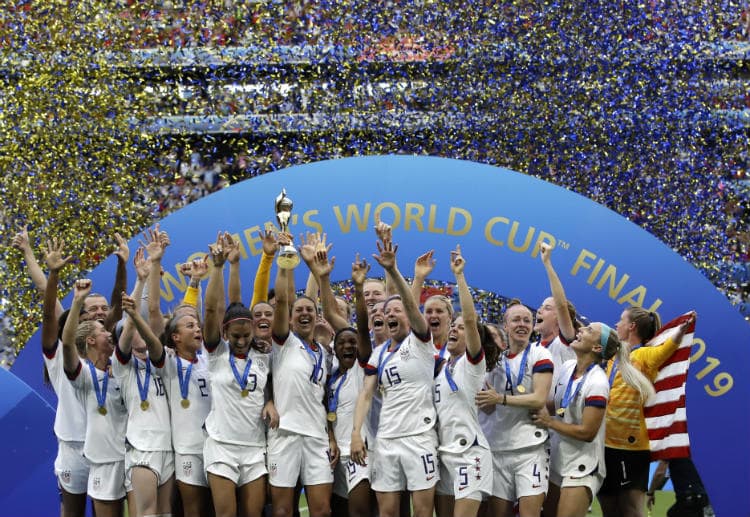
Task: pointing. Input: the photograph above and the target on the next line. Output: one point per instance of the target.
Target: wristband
(505, 398)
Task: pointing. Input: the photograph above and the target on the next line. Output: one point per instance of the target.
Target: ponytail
(647, 323)
(630, 374)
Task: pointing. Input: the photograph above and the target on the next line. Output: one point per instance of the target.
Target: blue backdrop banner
(499, 217)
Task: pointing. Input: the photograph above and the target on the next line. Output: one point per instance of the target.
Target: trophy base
(287, 260)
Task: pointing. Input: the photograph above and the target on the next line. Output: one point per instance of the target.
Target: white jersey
(571, 457)
(561, 353)
(235, 418)
(345, 390)
(149, 429)
(458, 422)
(406, 380)
(509, 428)
(105, 434)
(297, 395)
(70, 416)
(188, 436)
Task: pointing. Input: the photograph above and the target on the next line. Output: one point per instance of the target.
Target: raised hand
(424, 265)
(21, 240)
(387, 257)
(360, 268)
(270, 244)
(231, 248)
(81, 289)
(152, 243)
(216, 251)
(54, 258)
(383, 230)
(122, 251)
(457, 261)
(141, 263)
(309, 246)
(320, 265)
(545, 251)
(128, 303)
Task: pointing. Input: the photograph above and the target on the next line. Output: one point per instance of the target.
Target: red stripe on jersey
(49, 353)
(545, 365)
(122, 356)
(596, 401)
(477, 359)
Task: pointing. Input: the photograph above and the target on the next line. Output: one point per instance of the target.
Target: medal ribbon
(317, 360)
(449, 376)
(242, 381)
(142, 388)
(521, 370)
(99, 391)
(333, 400)
(566, 397)
(184, 380)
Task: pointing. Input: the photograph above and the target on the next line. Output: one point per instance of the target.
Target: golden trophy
(287, 258)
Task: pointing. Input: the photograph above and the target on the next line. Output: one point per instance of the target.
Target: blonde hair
(85, 330)
(630, 374)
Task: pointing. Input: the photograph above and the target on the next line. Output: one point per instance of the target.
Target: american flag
(666, 415)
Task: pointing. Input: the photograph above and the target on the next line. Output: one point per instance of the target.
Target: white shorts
(292, 456)
(240, 464)
(107, 481)
(189, 469)
(160, 463)
(593, 481)
(406, 463)
(71, 467)
(520, 473)
(466, 475)
(348, 475)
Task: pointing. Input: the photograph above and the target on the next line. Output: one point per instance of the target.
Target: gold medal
(561, 411)
(331, 416)
(245, 393)
(185, 403)
(102, 410)
(144, 405)
(520, 389)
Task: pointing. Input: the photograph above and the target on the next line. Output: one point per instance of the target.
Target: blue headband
(605, 335)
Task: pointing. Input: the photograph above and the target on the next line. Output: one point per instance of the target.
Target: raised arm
(215, 294)
(567, 329)
(387, 259)
(384, 232)
(71, 361)
(321, 269)
(22, 244)
(468, 311)
(121, 283)
(280, 325)
(154, 246)
(423, 266)
(155, 348)
(55, 262)
(263, 274)
(359, 275)
(232, 251)
(196, 270)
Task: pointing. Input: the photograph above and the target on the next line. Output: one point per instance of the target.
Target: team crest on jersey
(405, 352)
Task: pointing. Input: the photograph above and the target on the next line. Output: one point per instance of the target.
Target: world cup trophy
(288, 258)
